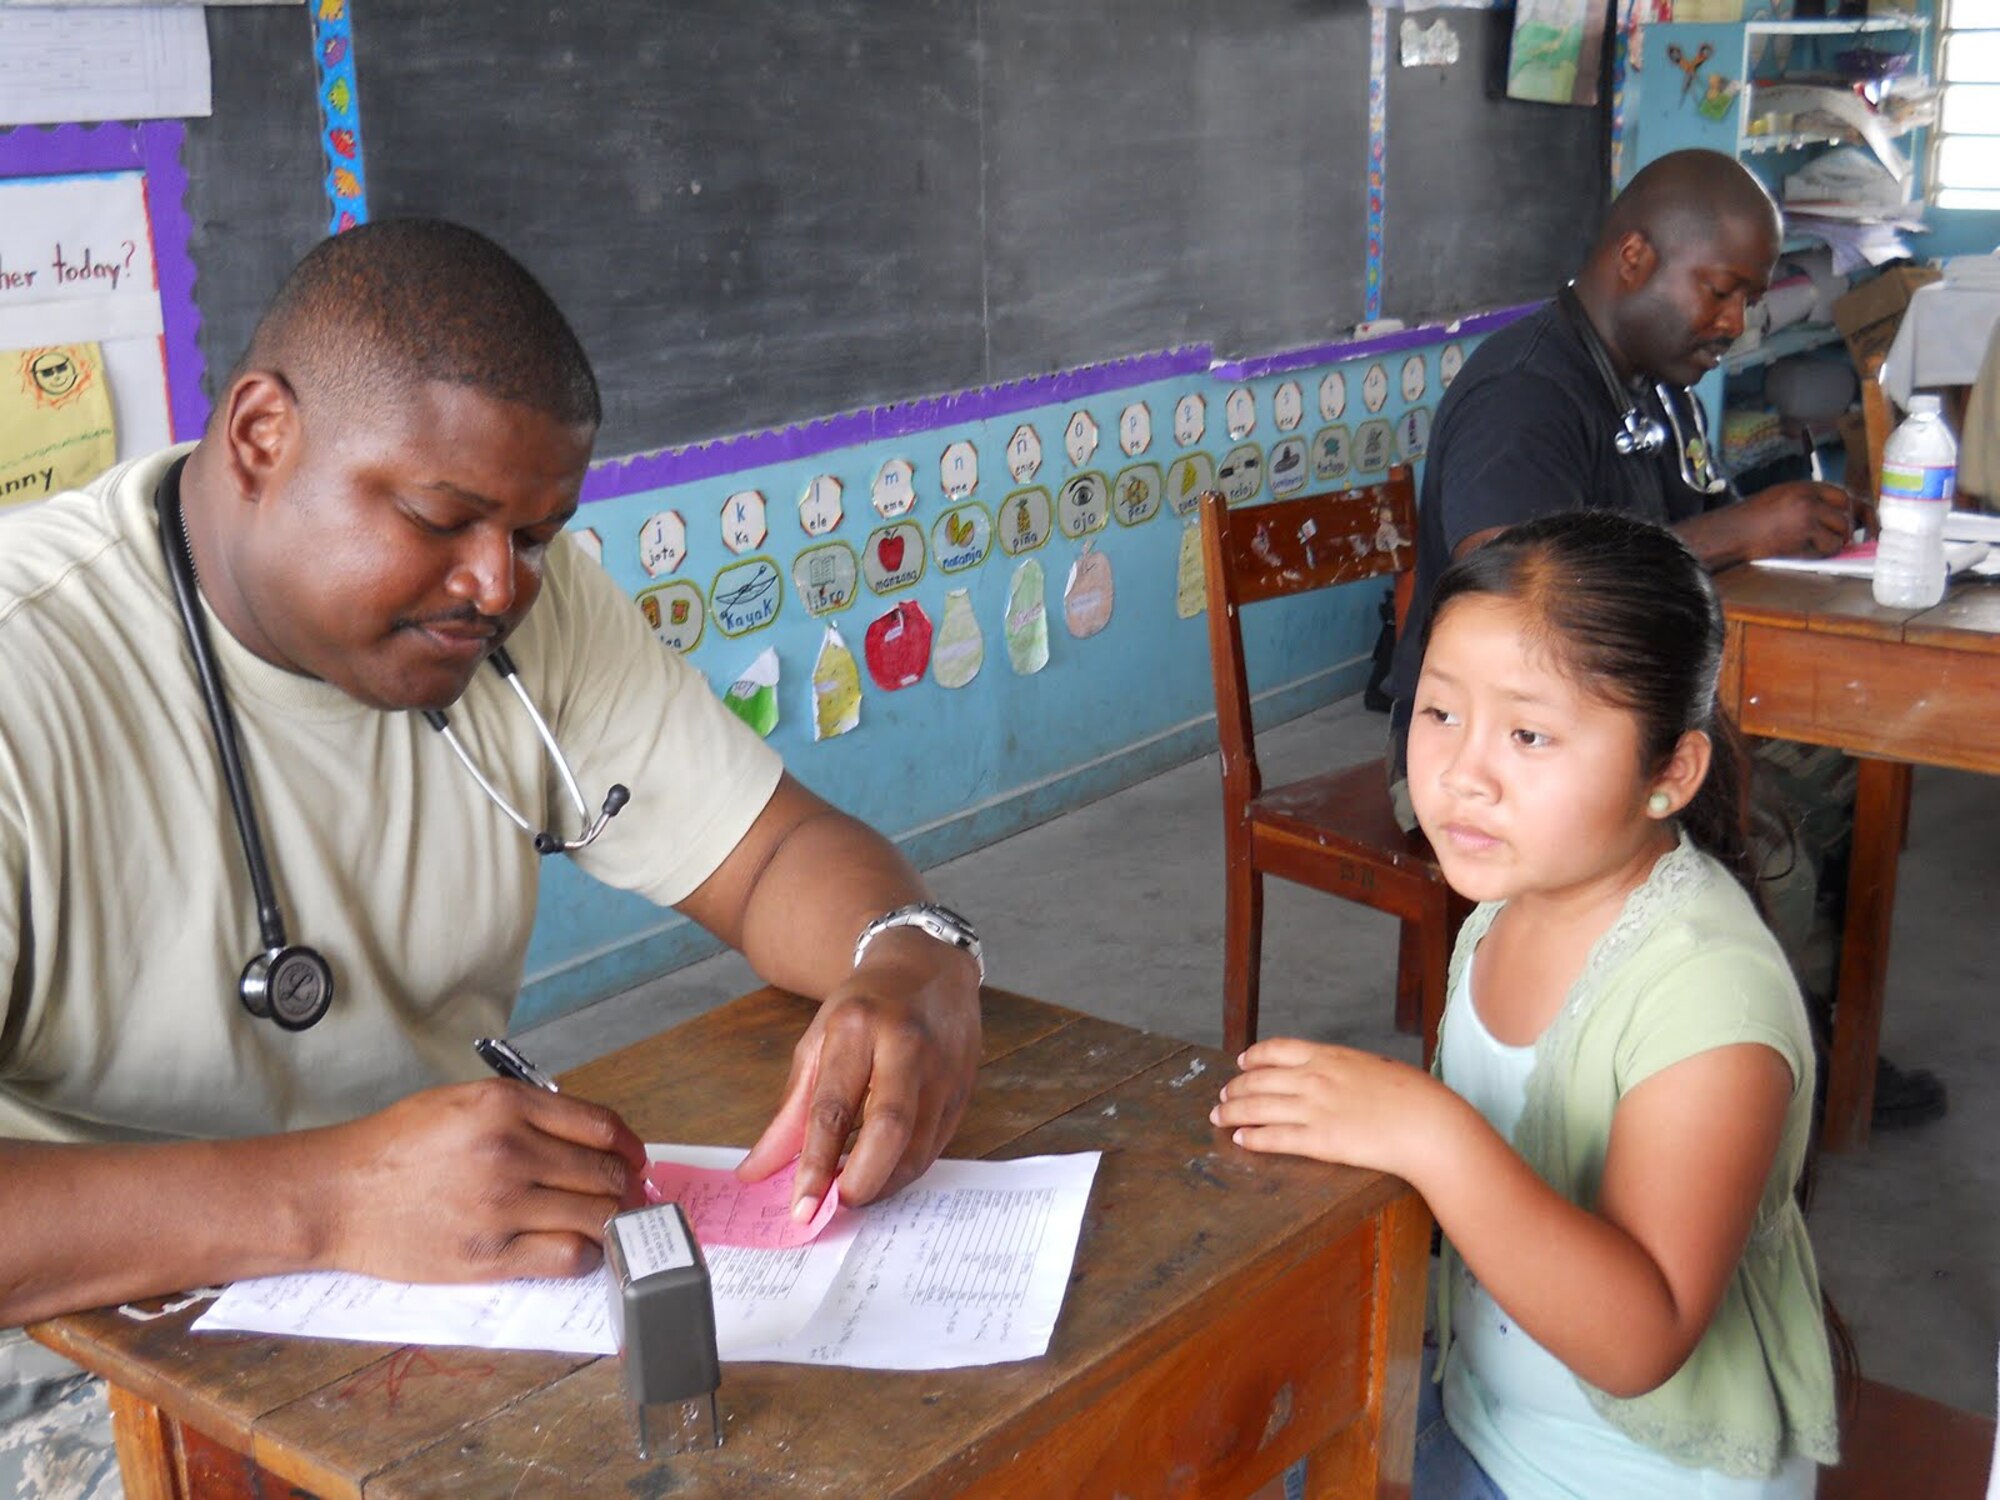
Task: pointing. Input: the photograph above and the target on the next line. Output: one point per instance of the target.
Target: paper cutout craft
(1375, 388)
(898, 647)
(1332, 395)
(1187, 477)
(961, 537)
(1084, 504)
(1288, 406)
(1135, 494)
(1288, 466)
(55, 421)
(895, 488)
(1027, 620)
(1190, 579)
(745, 596)
(1414, 378)
(1242, 473)
(961, 649)
(1135, 429)
(674, 613)
(663, 543)
(820, 509)
(826, 577)
(1087, 598)
(1026, 518)
(590, 544)
(893, 557)
(836, 688)
(1240, 412)
(1332, 453)
(753, 697)
(1080, 438)
(958, 470)
(1451, 359)
(1190, 420)
(1374, 444)
(743, 523)
(1024, 454)
(724, 1210)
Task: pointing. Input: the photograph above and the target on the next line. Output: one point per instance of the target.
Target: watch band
(935, 921)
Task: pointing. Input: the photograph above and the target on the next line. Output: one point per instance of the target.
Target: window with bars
(1966, 165)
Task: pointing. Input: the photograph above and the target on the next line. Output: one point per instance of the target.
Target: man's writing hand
(1799, 517)
(894, 1049)
(478, 1182)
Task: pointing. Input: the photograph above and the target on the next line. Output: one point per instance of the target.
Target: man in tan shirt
(376, 505)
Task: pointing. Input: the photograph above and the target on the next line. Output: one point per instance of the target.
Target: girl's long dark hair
(1629, 612)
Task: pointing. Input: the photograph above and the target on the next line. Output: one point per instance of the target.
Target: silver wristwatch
(940, 922)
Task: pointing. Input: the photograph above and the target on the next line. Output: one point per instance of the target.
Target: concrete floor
(1116, 909)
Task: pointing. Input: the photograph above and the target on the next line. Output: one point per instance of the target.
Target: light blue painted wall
(944, 771)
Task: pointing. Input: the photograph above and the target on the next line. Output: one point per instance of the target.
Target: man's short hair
(1685, 198)
(402, 301)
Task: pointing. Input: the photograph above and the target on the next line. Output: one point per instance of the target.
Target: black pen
(504, 1058)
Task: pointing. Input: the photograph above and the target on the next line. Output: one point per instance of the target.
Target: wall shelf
(1795, 339)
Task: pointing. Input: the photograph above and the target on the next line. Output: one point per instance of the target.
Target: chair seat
(1900, 1443)
(1350, 809)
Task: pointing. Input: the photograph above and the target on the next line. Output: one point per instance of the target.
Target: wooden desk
(1814, 658)
(1227, 1314)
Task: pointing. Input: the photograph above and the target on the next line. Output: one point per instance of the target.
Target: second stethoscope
(1639, 433)
(291, 983)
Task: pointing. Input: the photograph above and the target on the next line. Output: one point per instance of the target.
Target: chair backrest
(1875, 420)
(1286, 547)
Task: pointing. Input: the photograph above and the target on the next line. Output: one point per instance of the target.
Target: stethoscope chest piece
(292, 985)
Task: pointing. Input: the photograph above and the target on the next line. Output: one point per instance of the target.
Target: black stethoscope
(1639, 432)
(291, 983)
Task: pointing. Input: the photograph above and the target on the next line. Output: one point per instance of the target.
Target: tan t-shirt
(126, 911)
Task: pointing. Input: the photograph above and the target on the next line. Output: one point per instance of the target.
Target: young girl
(1627, 1304)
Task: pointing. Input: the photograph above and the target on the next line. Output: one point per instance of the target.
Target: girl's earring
(1659, 804)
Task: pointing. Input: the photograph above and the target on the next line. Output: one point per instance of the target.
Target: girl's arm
(1620, 1296)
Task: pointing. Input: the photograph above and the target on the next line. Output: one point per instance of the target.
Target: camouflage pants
(55, 1427)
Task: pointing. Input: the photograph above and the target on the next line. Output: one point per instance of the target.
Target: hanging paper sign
(1413, 434)
(958, 470)
(753, 697)
(961, 650)
(1083, 505)
(1088, 596)
(745, 596)
(1027, 620)
(836, 688)
(743, 528)
(1024, 454)
(1190, 420)
(590, 544)
(1026, 519)
(1451, 359)
(826, 578)
(1239, 410)
(898, 647)
(1135, 494)
(1374, 443)
(1241, 475)
(1187, 477)
(76, 260)
(1135, 429)
(1375, 387)
(1190, 587)
(894, 557)
(1332, 454)
(1332, 396)
(961, 537)
(1080, 438)
(1414, 378)
(56, 430)
(819, 506)
(895, 489)
(1288, 466)
(1288, 406)
(663, 544)
(674, 613)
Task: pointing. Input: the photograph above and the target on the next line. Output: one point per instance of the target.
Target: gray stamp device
(663, 1311)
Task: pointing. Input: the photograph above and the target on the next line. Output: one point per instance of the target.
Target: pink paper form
(723, 1210)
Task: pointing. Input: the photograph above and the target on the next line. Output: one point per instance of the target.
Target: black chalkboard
(761, 211)
(1490, 200)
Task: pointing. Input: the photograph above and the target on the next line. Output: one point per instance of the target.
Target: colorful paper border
(346, 178)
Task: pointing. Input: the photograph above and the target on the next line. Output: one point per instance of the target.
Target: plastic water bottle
(1919, 473)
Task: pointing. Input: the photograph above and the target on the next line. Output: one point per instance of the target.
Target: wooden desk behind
(1816, 659)
(1227, 1314)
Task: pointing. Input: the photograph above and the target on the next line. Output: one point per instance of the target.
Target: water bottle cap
(1924, 406)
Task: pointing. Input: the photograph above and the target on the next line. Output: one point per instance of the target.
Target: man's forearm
(1718, 538)
(84, 1226)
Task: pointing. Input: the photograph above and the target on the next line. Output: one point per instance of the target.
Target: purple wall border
(1384, 343)
(154, 148)
(672, 466)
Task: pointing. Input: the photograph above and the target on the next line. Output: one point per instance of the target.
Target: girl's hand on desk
(476, 1182)
(1334, 1104)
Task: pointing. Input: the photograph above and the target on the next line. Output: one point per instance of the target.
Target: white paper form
(966, 1266)
(142, 62)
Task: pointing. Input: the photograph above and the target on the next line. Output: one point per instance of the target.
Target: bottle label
(1918, 481)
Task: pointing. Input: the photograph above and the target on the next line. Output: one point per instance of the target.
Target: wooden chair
(1334, 832)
